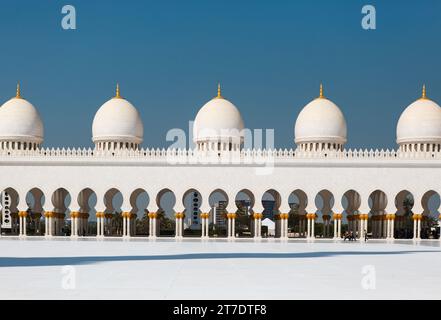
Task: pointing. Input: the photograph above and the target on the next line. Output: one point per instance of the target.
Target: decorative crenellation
(194, 156)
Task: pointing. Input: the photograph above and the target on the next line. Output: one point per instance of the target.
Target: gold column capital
(100, 215)
(179, 215)
(23, 214)
(152, 215)
(311, 216)
(257, 216)
(231, 215)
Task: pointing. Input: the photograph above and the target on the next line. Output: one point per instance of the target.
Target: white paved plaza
(217, 269)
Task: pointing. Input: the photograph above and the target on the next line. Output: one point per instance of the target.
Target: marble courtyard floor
(138, 268)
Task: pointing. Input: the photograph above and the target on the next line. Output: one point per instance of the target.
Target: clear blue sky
(270, 57)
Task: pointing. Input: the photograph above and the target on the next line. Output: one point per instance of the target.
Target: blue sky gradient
(270, 57)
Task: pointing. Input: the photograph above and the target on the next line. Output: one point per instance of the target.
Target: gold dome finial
(424, 96)
(321, 91)
(18, 93)
(118, 95)
(219, 91)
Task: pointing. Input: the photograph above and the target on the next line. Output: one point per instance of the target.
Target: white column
(335, 228)
(257, 219)
(155, 224)
(202, 227)
(228, 226)
(46, 225)
(233, 227)
(150, 226)
(416, 226)
(419, 227)
(207, 225)
(124, 226)
(151, 231)
(98, 226)
(128, 227)
(313, 228)
(339, 227)
(76, 226)
(178, 228)
(308, 228)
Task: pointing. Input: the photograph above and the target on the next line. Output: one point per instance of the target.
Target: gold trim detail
(126, 214)
(100, 215)
(311, 216)
(18, 93)
(321, 96)
(23, 214)
(118, 94)
(219, 92)
(424, 95)
(152, 215)
(179, 216)
(257, 216)
(49, 214)
(231, 215)
(75, 214)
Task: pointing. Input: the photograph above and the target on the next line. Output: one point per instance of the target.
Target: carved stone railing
(194, 156)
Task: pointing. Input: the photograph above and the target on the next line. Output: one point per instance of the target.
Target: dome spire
(424, 96)
(18, 93)
(118, 95)
(219, 91)
(321, 92)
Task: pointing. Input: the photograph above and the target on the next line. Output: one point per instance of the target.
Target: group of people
(351, 236)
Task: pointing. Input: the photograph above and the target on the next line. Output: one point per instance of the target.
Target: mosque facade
(319, 188)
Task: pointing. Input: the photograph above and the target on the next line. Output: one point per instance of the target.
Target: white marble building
(361, 190)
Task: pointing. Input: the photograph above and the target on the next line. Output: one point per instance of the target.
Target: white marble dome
(321, 121)
(117, 121)
(218, 121)
(21, 121)
(420, 123)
